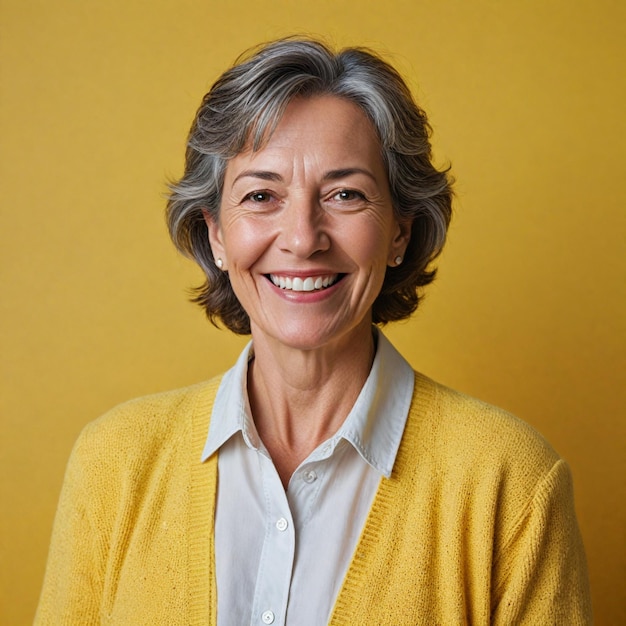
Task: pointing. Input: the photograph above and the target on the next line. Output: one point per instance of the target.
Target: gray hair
(242, 109)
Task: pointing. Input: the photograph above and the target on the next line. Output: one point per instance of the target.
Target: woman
(320, 480)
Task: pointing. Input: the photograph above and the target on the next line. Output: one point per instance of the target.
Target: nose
(303, 228)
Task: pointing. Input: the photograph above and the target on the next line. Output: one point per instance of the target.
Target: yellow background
(527, 101)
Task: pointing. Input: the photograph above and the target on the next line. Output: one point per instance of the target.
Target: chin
(315, 334)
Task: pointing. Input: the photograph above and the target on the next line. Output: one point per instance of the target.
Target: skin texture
(314, 202)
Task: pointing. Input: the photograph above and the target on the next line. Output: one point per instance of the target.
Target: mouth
(307, 283)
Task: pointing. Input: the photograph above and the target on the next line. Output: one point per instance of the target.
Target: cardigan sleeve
(73, 581)
(540, 576)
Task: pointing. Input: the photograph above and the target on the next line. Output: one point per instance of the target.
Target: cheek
(371, 246)
(245, 243)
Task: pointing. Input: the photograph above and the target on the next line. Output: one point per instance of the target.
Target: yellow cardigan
(475, 526)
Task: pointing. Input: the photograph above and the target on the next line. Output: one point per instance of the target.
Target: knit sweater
(475, 525)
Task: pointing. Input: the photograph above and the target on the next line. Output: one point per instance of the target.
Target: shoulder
(483, 459)
(149, 424)
(462, 423)
(472, 443)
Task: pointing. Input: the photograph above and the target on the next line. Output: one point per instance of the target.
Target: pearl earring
(219, 263)
(398, 260)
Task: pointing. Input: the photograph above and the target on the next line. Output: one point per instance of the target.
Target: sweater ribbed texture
(475, 525)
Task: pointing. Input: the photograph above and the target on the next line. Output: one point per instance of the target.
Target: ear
(215, 238)
(400, 241)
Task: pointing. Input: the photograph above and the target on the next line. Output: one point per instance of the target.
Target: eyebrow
(261, 174)
(348, 171)
(331, 175)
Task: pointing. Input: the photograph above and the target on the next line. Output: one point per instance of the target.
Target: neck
(300, 398)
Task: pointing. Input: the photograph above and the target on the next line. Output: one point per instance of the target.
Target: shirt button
(267, 617)
(281, 524)
(309, 477)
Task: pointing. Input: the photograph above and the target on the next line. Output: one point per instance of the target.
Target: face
(307, 229)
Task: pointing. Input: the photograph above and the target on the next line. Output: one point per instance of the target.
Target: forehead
(324, 112)
(325, 130)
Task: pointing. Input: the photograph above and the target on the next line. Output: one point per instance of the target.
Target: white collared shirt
(281, 557)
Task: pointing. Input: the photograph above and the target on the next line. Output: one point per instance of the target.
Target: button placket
(277, 555)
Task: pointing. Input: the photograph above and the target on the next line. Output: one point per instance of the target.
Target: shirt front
(281, 556)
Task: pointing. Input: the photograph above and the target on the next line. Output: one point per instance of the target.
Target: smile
(310, 283)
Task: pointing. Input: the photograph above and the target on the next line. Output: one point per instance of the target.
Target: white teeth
(307, 284)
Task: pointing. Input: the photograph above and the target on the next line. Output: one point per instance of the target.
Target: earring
(398, 260)
(219, 263)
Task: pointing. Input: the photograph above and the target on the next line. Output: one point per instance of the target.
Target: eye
(258, 197)
(348, 195)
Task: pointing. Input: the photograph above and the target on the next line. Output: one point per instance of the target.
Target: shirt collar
(373, 427)
(231, 409)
